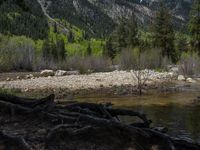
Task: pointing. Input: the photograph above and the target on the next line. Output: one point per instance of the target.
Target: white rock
(174, 69)
(75, 72)
(18, 77)
(61, 73)
(46, 73)
(181, 78)
(29, 76)
(190, 80)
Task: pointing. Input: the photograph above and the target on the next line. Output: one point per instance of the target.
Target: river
(178, 111)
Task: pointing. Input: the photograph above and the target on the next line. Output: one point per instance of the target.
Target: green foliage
(194, 26)
(133, 33)
(126, 33)
(189, 64)
(20, 17)
(98, 25)
(109, 50)
(54, 49)
(163, 33)
(17, 53)
(121, 34)
(89, 50)
(182, 42)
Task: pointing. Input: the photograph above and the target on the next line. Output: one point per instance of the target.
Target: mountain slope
(97, 18)
(23, 17)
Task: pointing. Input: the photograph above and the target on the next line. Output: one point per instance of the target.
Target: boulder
(61, 73)
(190, 80)
(75, 72)
(46, 73)
(29, 76)
(181, 78)
(8, 79)
(174, 69)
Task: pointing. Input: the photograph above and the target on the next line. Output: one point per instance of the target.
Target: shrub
(149, 59)
(17, 53)
(189, 64)
(87, 64)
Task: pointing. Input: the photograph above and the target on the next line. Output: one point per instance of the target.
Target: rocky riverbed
(127, 80)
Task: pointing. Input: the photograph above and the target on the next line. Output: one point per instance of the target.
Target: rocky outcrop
(95, 13)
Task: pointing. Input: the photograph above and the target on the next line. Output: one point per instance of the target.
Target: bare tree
(141, 73)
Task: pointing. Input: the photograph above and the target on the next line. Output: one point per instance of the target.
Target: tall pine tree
(163, 33)
(121, 34)
(133, 34)
(109, 49)
(194, 26)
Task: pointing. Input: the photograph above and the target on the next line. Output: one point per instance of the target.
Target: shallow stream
(178, 111)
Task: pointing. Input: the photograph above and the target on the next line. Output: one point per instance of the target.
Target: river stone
(61, 73)
(181, 78)
(29, 76)
(75, 72)
(46, 73)
(190, 80)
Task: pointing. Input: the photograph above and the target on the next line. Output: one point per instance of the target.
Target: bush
(189, 64)
(149, 59)
(87, 64)
(17, 53)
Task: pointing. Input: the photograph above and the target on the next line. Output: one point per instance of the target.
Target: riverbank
(116, 82)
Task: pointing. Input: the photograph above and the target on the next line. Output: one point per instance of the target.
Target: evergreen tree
(53, 52)
(46, 50)
(55, 28)
(121, 34)
(163, 34)
(61, 49)
(109, 50)
(133, 34)
(70, 37)
(182, 44)
(194, 26)
(89, 50)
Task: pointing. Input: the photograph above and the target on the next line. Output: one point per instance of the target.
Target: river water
(178, 111)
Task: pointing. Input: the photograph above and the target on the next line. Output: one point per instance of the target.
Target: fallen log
(8, 141)
(83, 123)
(28, 102)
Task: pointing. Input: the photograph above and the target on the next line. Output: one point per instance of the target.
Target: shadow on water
(177, 111)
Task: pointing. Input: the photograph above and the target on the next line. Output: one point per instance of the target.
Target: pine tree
(182, 44)
(89, 50)
(61, 49)
(133, 34)
(55, 28)
(121, 34)
(70, 37)
(109, 50)
(46, 49)
(163, 34)
(194, 26)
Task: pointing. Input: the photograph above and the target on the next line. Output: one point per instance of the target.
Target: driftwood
(78, 126)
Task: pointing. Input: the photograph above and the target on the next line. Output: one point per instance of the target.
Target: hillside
(96, 17)
(23, 17)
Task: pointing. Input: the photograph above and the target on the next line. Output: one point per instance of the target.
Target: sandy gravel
(76, 82)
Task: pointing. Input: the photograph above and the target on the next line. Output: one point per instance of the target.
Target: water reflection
(177, 111)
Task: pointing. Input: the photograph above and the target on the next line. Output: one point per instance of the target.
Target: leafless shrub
(151, 59)
(189, 64)
(127, 59)
(87, 64)
(17, 54)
